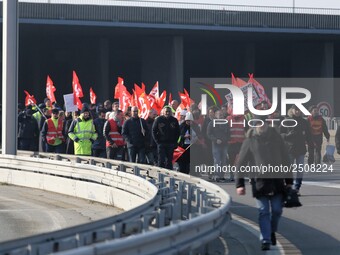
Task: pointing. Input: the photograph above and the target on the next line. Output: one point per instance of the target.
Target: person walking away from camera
(318, 129)
(83, 133)
(296, 138)
(263, 146)
(237, 136)
(165, 132)
(98, 146)
(28, 131)
(113, 135)
(52, 133)
(135, 134)
(219, 135)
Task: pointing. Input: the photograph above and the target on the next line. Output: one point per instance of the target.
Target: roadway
(25, 211)
(312, 229)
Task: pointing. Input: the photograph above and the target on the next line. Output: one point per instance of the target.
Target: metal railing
(218, 16)
(186, 213)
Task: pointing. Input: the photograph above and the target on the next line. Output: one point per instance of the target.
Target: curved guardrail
(175, 213)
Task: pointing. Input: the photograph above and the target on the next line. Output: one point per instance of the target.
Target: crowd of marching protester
(190, 138)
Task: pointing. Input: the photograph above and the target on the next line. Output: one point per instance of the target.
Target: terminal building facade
(172, 44)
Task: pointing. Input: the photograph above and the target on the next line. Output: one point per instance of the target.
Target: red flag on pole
(259, 88)
(77, 91)
(178, 152)
(119, 88)
(122, 94)
(170, 98)
(237, 81)
(50, 89)
(29, 99)
(93, 96)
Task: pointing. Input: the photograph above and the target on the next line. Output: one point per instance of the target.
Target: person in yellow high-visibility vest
(82, 131)
(52, 133)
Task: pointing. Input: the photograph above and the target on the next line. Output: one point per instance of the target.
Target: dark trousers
(314, 150)
(26, 144)
(165, 155)
(100, 153)
(115, 153)
(55, 148)
(134, 151)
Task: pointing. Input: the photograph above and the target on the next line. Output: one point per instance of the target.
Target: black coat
(221, 132)
(132, 132)
(264, 150)
(296, 138)
(165, 130)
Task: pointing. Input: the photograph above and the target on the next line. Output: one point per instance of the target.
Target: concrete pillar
(9, 76)
(103, 89)
(162, 60)
(249, 61)
(327, 73)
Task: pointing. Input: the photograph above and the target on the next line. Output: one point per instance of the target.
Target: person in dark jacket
(265, 147)
(189, 135)
(219, 135)
(165, 132)
(151, 146)
(28, 131)
(135, 132)
(98, 146)
(296, 138)
(318, 129)
(337, 140)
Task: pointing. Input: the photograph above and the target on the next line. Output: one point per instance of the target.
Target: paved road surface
(25, 211)
(312, 229)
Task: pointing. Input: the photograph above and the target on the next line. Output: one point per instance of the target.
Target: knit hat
(84, 109)
(189, 116)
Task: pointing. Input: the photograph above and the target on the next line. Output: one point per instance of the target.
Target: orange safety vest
(237, 129)
(316, 125)
(53, 133)
(114, 134)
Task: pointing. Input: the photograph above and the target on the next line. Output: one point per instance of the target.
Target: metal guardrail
(227, 16)
(186, 213)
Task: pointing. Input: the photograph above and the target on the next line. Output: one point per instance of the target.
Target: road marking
(323, 184)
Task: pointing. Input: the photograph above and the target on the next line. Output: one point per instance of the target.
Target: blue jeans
(270, 211)
(299, 175)
(220, 154)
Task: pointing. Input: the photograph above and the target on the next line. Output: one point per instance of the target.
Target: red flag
(93, 96)
(77, 91)
(50, 89)
(155, 91)
(237, 81)
(158, 106)
(153, 96)
(119, 88)
(122, 94)
(29, 99)
(170, 98)
(259, 88)
(142, 102)
(185, 100)
(178, 152)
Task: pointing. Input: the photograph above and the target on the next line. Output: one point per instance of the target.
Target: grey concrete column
(103, 89)
(162, 60)
(327, 73)
(250, 58)
(9, 76)
(176, 66)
